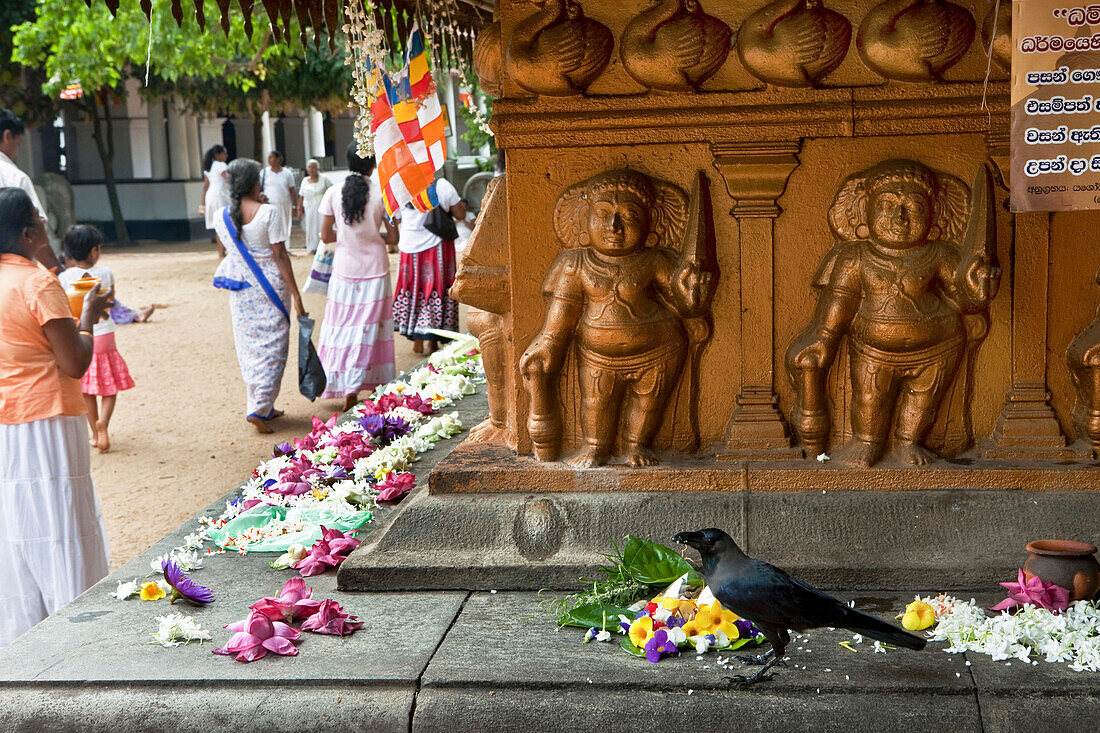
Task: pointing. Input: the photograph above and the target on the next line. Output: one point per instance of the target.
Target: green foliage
(594, 615)
(633, 572)
(654, 564)
(72, 42)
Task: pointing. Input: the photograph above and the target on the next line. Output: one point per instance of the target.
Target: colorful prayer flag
(429, 112)
(399, 174)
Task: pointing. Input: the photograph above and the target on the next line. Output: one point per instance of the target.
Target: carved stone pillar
(756, 175)
(1027, 426)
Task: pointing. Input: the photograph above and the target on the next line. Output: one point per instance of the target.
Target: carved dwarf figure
(620, 292)
(1083, 359)
(901, 287)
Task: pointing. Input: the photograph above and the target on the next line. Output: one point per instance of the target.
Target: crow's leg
(761, 674)
(778, 646)
(762, 659)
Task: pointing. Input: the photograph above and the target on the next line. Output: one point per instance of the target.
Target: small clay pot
(1067, 563)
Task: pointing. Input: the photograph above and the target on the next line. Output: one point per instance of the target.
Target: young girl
(107, 375)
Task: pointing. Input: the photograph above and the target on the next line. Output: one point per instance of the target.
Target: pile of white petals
(1071, 637)
(175, 629)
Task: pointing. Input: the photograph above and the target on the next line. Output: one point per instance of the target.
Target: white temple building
(159, 148)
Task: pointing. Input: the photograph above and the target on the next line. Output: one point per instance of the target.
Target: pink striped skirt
(356, 341)
(107, 374)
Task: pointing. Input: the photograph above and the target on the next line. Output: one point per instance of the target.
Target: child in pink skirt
(107, 375)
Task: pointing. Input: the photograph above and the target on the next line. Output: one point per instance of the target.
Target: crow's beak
(694, 539)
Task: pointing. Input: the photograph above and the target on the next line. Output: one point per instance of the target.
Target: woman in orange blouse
(52, 541)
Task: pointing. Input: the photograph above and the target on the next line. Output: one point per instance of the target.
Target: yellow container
(76, 293)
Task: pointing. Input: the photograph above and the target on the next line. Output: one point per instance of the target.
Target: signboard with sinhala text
(1055, 105)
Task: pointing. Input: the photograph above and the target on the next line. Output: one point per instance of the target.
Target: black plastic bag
(311, 375)
(440, 223)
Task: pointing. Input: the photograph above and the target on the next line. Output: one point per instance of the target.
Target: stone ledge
(481, 468)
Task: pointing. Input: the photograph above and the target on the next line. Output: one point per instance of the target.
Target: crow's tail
(861, 623)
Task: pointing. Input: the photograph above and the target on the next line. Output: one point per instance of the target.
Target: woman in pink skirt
(107, 375)
(356, 343)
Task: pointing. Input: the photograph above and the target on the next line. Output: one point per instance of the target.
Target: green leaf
(594, 615)
(654, 564)
(628, 646)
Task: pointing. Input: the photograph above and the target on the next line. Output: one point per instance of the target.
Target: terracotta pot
(1067, 563)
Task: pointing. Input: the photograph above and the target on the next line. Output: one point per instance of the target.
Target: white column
(137, 112)
(210, 133)
(316, 134)
(268, 132)
(179, 153)
(451, 100)
(158, 142)
(195, 160)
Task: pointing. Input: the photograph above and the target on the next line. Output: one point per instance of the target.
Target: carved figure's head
(619, 203)
(900, 205)
(619, 212)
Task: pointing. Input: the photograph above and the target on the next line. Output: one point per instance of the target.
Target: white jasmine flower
(175, 629)
(126, 589)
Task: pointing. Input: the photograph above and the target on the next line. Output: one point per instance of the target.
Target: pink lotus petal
(241, 641)
(258, 625)
(279, 645)
(1005, 604)
(284, 631)
(252, 654)
(237, 625)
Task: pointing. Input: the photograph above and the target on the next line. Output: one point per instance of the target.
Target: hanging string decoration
(366, 51)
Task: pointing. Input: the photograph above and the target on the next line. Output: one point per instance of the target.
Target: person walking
(257, 273)
(277, 183)
(11, 137)
(52, 536)
(108, 374)
(356, 342)
(214, 188)
(426, 272)
(310, 194)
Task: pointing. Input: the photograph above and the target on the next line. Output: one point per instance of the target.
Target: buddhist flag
(405, 112)
(399, 174)
(429, 113)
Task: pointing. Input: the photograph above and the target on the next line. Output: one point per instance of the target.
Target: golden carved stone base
(480, 468)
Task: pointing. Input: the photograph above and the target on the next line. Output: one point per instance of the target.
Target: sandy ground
(179, 439)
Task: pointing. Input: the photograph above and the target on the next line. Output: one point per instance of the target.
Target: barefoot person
(256, 271)
(51, 532)
(422, 300)
(310, 193)
(356, 343)
(108, 374)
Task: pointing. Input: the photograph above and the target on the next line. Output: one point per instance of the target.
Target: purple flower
(282, 449)
(745, 629)
(659, 645)
(394, 427)
(183, 587)
(338, 473)
(1036, 591)
(625, 627)
(673, 622)
(372, 424)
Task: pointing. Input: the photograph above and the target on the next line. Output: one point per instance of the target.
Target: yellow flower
(151, 592)
(710, 618)
(676, 606)
(641, 631)
(918, 615)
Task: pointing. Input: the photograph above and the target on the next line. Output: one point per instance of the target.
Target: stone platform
(466, 660)
(495, 520)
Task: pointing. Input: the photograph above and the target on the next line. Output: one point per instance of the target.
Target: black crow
(775, 602)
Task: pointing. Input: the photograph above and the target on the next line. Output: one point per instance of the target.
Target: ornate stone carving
(793, 43)
(558, 51)
(910, 283)
(914, 40)
(489, 58)
(674, 46)
(997, 28)
(633, 306)
(482, 283)
(1083, 358)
